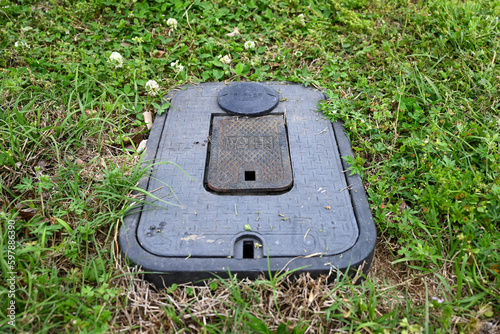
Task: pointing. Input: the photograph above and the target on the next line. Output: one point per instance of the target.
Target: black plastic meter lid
(248, 99)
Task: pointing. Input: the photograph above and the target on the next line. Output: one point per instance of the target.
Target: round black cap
(248, 99)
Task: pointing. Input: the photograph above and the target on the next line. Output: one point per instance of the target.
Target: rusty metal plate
(249, 155)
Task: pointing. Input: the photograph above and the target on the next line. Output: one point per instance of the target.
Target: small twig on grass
(187, 16)
(403, 283)
(117, 251)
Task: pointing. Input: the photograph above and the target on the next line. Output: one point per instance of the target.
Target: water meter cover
(247, 195)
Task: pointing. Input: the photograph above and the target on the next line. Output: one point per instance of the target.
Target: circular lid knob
(248, 99)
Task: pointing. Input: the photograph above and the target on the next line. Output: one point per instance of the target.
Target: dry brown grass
(321, 306)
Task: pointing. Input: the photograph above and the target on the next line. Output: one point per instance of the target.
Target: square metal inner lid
(249, 154)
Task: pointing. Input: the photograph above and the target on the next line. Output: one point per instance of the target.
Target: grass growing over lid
(416, 84)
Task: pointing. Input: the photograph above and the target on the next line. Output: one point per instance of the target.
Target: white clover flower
(298, 54)
(225, 60)
(249, 45)
(116, 59)
(176, 66)
(172, 23)
(21, 44)
(301, 19)
(152, 87)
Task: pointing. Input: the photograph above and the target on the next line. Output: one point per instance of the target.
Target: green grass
(416, 84)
